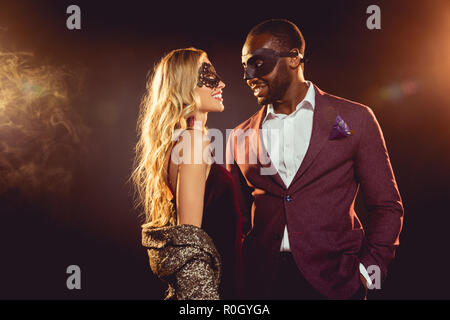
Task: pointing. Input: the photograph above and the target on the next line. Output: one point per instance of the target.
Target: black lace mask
(207, 76)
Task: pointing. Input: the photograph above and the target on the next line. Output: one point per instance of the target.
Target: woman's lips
(218, 96)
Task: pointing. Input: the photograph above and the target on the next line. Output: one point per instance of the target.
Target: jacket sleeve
(381, 196)
(243, 191)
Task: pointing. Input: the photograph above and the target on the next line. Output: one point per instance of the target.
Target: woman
(192, 226)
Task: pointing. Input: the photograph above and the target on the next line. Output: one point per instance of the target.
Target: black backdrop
(401, 71)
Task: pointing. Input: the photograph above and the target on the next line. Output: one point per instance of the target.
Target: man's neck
(294, 95)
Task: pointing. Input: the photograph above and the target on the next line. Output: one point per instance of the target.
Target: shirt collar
(310, 98)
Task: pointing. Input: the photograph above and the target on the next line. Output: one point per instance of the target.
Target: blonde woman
(192, 220)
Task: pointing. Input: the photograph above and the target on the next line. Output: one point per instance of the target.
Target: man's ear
(295, 60)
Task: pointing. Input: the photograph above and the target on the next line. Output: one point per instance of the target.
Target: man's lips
(259, 90)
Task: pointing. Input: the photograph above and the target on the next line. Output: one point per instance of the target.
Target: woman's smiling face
(210, 97)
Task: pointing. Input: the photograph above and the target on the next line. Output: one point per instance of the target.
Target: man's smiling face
(270, 87)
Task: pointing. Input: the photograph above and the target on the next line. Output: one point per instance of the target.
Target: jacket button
(277, 236)
(288, 198)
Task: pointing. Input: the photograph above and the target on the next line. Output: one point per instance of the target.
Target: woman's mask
(207, 76)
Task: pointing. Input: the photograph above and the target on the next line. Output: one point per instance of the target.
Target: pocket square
(340, 129)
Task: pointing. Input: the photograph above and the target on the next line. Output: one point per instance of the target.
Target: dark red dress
(221, 220)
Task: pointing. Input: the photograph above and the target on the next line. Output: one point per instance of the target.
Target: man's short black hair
(287, 35)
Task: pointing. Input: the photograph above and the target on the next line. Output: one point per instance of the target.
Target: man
(303, 239)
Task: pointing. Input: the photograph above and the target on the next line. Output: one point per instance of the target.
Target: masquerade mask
(262, 61)
(207, 76)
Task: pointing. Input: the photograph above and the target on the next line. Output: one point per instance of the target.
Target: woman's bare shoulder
(193, 146)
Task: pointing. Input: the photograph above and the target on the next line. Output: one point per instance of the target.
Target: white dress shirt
(286, 138)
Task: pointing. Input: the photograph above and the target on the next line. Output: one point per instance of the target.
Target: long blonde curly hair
(167, 105)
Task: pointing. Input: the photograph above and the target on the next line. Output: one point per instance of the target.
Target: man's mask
(207, 76)
(262, 61)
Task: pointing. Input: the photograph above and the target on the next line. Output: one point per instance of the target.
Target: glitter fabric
(186, 258)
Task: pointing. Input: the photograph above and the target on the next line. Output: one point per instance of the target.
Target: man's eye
(259, 63)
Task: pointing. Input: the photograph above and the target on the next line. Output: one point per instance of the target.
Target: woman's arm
(191, 179)
(185, 256)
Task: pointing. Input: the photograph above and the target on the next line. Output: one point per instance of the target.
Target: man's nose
(248, 74)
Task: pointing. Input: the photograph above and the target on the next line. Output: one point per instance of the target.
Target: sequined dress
(184, 256)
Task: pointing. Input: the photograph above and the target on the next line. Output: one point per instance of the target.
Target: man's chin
(262, 101)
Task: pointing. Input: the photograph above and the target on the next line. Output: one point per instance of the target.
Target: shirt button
(288, 198)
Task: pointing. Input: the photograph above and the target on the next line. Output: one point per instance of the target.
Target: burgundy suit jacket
(326, 237)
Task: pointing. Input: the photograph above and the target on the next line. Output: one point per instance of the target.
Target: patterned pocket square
(340, 129)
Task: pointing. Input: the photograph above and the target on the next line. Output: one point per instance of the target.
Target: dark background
(95, 225)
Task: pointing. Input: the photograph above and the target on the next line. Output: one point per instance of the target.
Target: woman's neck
(200, 120)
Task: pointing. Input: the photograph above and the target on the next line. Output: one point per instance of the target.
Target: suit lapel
(323, 120)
